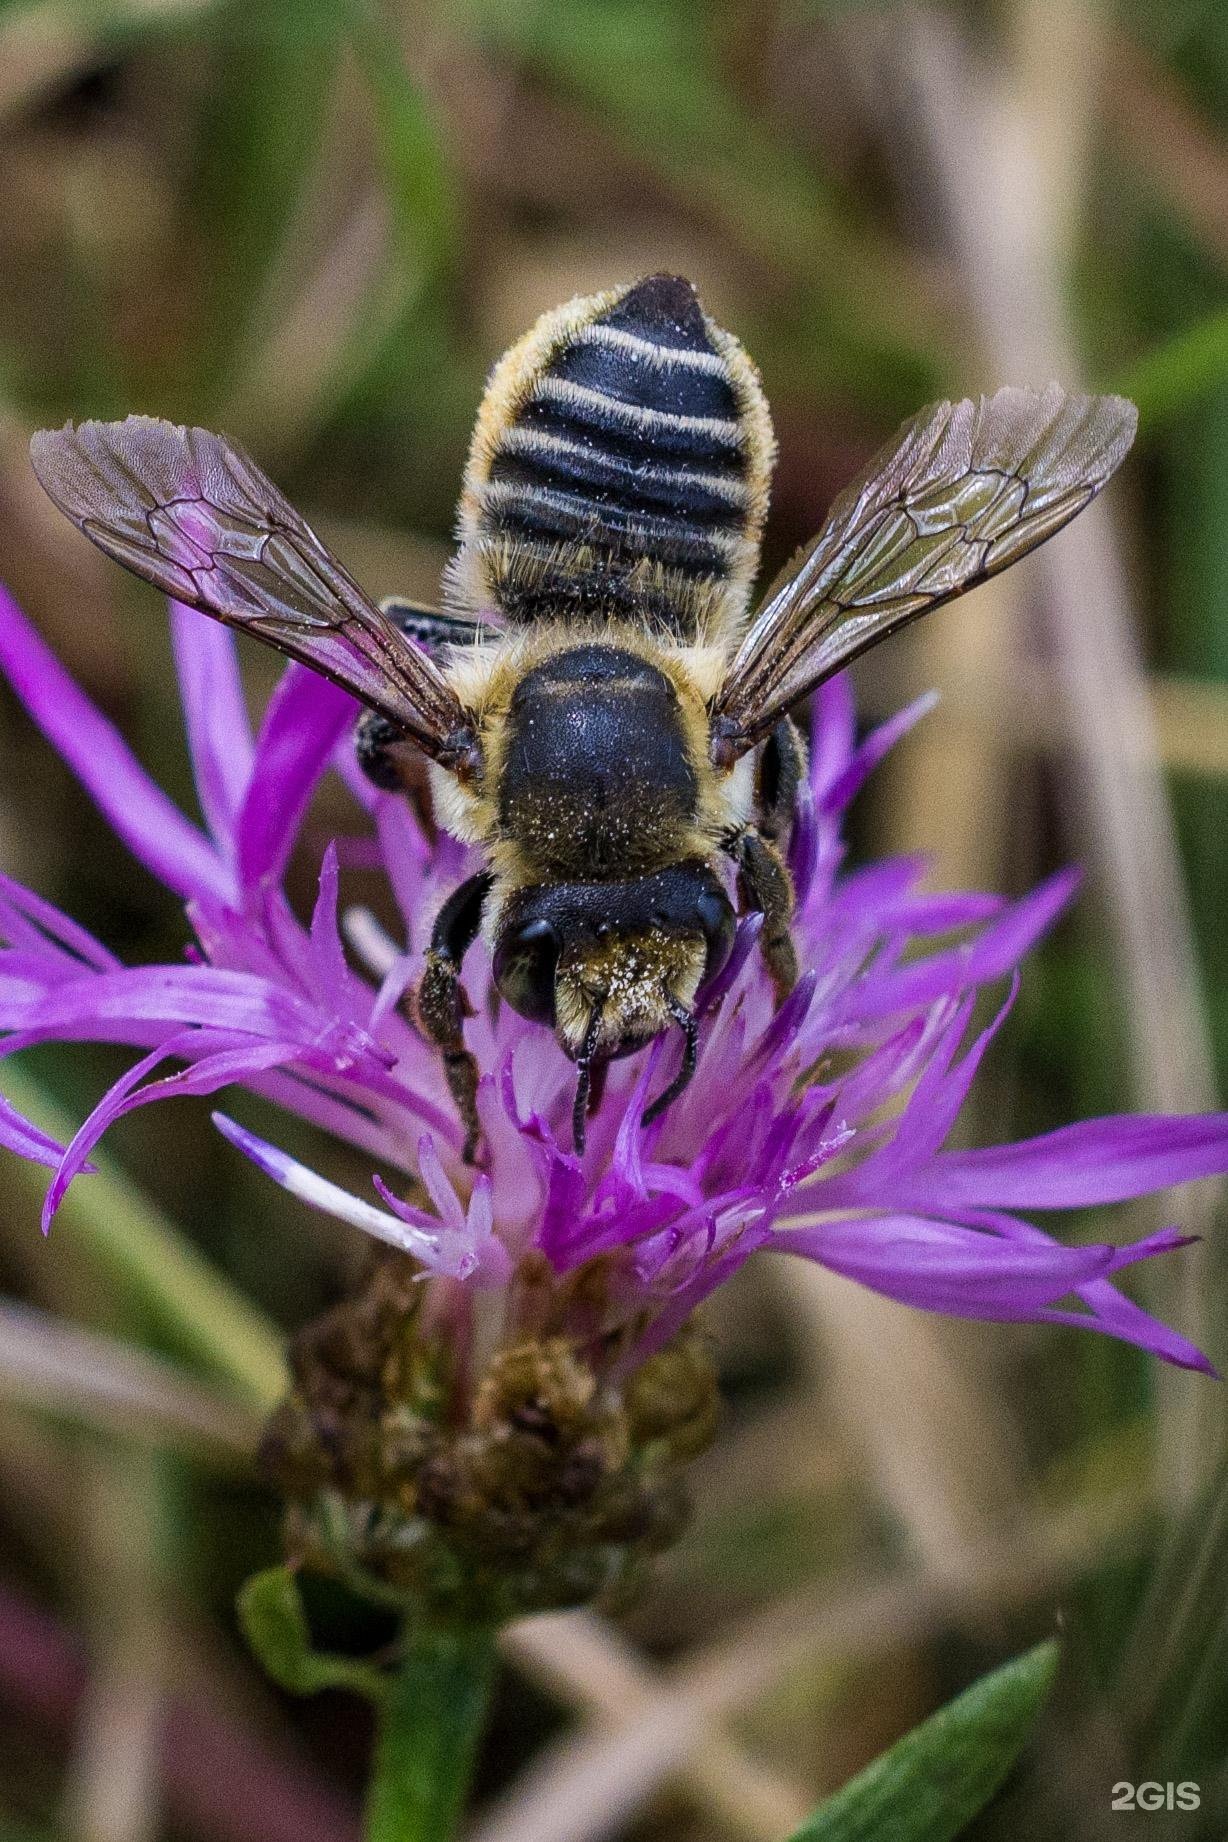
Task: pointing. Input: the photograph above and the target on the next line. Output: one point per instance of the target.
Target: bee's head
(612, 965)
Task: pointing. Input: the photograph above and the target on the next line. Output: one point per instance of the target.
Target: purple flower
(816, 1130)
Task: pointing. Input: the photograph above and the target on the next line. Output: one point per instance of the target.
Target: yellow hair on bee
(632, 974)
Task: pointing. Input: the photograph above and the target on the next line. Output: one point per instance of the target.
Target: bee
(602, 713)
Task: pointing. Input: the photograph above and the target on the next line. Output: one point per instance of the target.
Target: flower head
(816, 1130)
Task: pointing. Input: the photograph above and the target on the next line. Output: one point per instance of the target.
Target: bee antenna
(689, 1025)
(584, 1068)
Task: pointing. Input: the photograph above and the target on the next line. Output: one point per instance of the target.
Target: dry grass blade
(113, 1789)
(299, 365)
(1007, 200)
(589, 1664)
(588, 1790)
(53, 1366)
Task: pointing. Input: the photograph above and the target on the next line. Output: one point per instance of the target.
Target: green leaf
(934, 1780)
(1180, 372)
(275, 1625)
(409, 145)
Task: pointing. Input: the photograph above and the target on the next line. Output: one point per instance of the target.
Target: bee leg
(431, 628)
(394, 765)
(763, 882)
(585, 1066)
(376, 737)
(442, 1004)
(781, 765)
(596, 1082)
(688, 1024)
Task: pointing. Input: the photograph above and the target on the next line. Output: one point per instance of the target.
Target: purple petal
(563, 1204)
(1108, 1310)
(305, 719)
(122, 1006)
(939, 1096)
(994, 953)
(465, 1248)
(803, 845)
(393, 987)
(944, 913)
(206, 995)
(219, 733)
(438, 1185)
(329, 1198)
(878, 894)
(748, 931)
(138, 811)
(668, 1320)
(211, 1072)
(19, 1134)
(942, 1266)
(783, 1029)
(1013, 1272)
(831, 744)
(332, 975)
(879, 743)
(1095, 1161)
(1114, 1315)
(18, 904)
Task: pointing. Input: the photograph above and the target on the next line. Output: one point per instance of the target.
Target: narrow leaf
(934, 1781)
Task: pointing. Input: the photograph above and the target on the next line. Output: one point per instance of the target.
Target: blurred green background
(316, 224)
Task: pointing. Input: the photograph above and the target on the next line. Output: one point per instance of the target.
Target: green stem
(428, 1735)
(192, 1306)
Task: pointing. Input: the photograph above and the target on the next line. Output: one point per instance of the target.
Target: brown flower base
(481, 1485)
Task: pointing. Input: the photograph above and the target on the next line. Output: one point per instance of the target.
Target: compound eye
(526, 960)
(714, 913)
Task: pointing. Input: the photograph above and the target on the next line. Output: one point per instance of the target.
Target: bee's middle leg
(442, 1004)
(763, 882)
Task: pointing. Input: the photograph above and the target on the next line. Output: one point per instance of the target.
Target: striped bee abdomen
(619, 469)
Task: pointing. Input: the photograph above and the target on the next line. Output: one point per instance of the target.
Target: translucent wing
(191, 513)
(964, 490)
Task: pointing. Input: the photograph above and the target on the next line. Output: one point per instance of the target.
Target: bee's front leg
(763, 882)
(442, 1004)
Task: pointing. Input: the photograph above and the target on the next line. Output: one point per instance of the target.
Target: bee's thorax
(597, 780)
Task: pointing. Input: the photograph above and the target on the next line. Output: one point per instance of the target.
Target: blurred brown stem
(1008, 169)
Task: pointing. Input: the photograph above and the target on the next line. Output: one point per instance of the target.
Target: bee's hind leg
(778, 774)
(763, 882)
(442, 1005)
